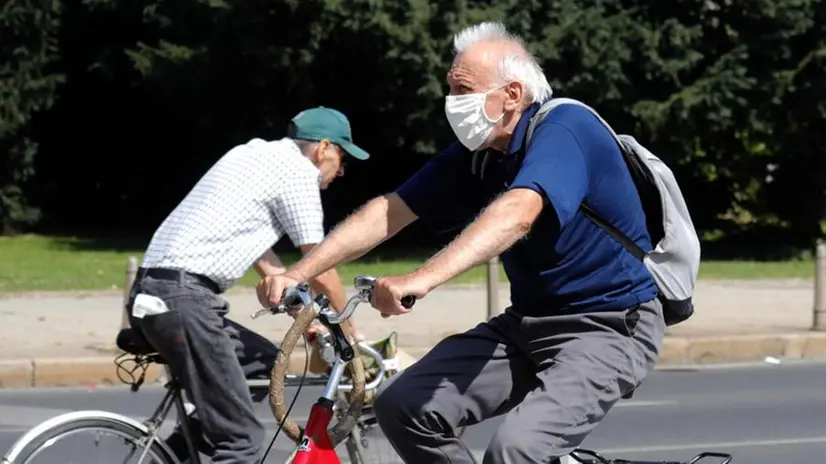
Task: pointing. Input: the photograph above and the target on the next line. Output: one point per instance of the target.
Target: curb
(732, 349)
(676, 351)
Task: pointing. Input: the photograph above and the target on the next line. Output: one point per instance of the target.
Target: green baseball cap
(326, 123)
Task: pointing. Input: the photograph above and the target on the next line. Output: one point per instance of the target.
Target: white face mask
(467, 118)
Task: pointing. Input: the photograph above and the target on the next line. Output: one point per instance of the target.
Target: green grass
(38, 263)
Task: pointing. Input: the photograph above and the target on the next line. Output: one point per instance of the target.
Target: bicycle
(355, 419)
(316, 444)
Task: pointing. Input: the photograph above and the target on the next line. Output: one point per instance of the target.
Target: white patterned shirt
(242, 206)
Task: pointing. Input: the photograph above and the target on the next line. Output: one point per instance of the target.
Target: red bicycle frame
(315, 446)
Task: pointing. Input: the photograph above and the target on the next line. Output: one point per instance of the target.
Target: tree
(28, 81)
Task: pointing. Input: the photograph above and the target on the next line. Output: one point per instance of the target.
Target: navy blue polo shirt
(566, 263)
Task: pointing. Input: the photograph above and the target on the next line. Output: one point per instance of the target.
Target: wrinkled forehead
(472, 70)
(477, 68)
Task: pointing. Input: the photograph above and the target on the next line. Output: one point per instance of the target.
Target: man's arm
(506, 220)
(269, 264)
(375, 222)
(430, 193)
(328, 283)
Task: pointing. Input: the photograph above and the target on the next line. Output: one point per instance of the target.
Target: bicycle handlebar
(299, 296)
(297, 301)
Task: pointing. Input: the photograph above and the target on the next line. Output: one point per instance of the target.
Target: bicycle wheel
(39, 444)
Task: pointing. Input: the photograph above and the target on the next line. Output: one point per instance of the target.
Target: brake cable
(297, 392)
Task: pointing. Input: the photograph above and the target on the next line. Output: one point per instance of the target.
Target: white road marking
(746, 365)
(721, 447)
(637, 404)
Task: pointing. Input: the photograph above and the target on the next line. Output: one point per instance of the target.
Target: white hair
(512, 67)
(306, 146)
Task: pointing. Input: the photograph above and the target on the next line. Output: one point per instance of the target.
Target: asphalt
(761, 414)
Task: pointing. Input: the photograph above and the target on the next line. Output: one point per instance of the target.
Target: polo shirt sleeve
(297, 208)
(555, 167)
(433, 192)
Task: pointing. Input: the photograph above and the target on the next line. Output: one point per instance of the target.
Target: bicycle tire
(341, 430)
(32, 442)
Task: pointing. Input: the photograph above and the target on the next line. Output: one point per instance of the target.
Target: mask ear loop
(484, 113)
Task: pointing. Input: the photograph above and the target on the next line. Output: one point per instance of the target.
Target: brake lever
(297, 295)
(277, 310)
(259, 313)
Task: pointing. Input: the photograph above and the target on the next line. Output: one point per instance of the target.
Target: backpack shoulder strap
(620, 237)
(549, 105)
(615, 233)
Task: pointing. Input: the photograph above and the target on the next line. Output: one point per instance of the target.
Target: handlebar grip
(290, 299)
(295, 295)
(408, 301)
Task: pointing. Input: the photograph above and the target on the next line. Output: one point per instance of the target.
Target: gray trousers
(212, 357)
(555, 378)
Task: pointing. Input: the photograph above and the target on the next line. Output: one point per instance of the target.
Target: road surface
(760, 414)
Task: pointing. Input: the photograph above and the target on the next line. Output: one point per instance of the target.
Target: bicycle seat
(132, 341)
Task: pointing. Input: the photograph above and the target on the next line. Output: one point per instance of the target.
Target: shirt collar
(518, 137)
(297, 150)
(288, 145)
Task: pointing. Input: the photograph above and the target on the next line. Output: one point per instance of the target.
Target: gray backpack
(675, 259)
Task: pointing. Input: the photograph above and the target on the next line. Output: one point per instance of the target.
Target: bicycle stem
(335, 377)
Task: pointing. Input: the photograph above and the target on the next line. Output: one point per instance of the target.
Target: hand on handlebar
(394, 296)
(270, 290)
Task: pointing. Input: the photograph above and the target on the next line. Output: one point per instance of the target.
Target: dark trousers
(555, 378)
(212, 357)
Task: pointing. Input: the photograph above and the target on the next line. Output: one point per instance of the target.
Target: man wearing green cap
(254, 195)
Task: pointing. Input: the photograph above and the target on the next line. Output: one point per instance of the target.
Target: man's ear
(318, 152)
(323, 147)
(515, 92)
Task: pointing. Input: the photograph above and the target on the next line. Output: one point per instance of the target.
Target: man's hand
(389, 291)
(271, 289)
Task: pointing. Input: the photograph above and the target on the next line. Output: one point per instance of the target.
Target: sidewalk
(53, 339)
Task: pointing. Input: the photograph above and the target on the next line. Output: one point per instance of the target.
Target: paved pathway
(72, 325)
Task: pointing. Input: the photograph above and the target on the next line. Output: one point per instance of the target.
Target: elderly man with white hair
(584, 326)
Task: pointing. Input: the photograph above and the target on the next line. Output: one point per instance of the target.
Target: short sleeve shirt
(254, 195)
(566, 262)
